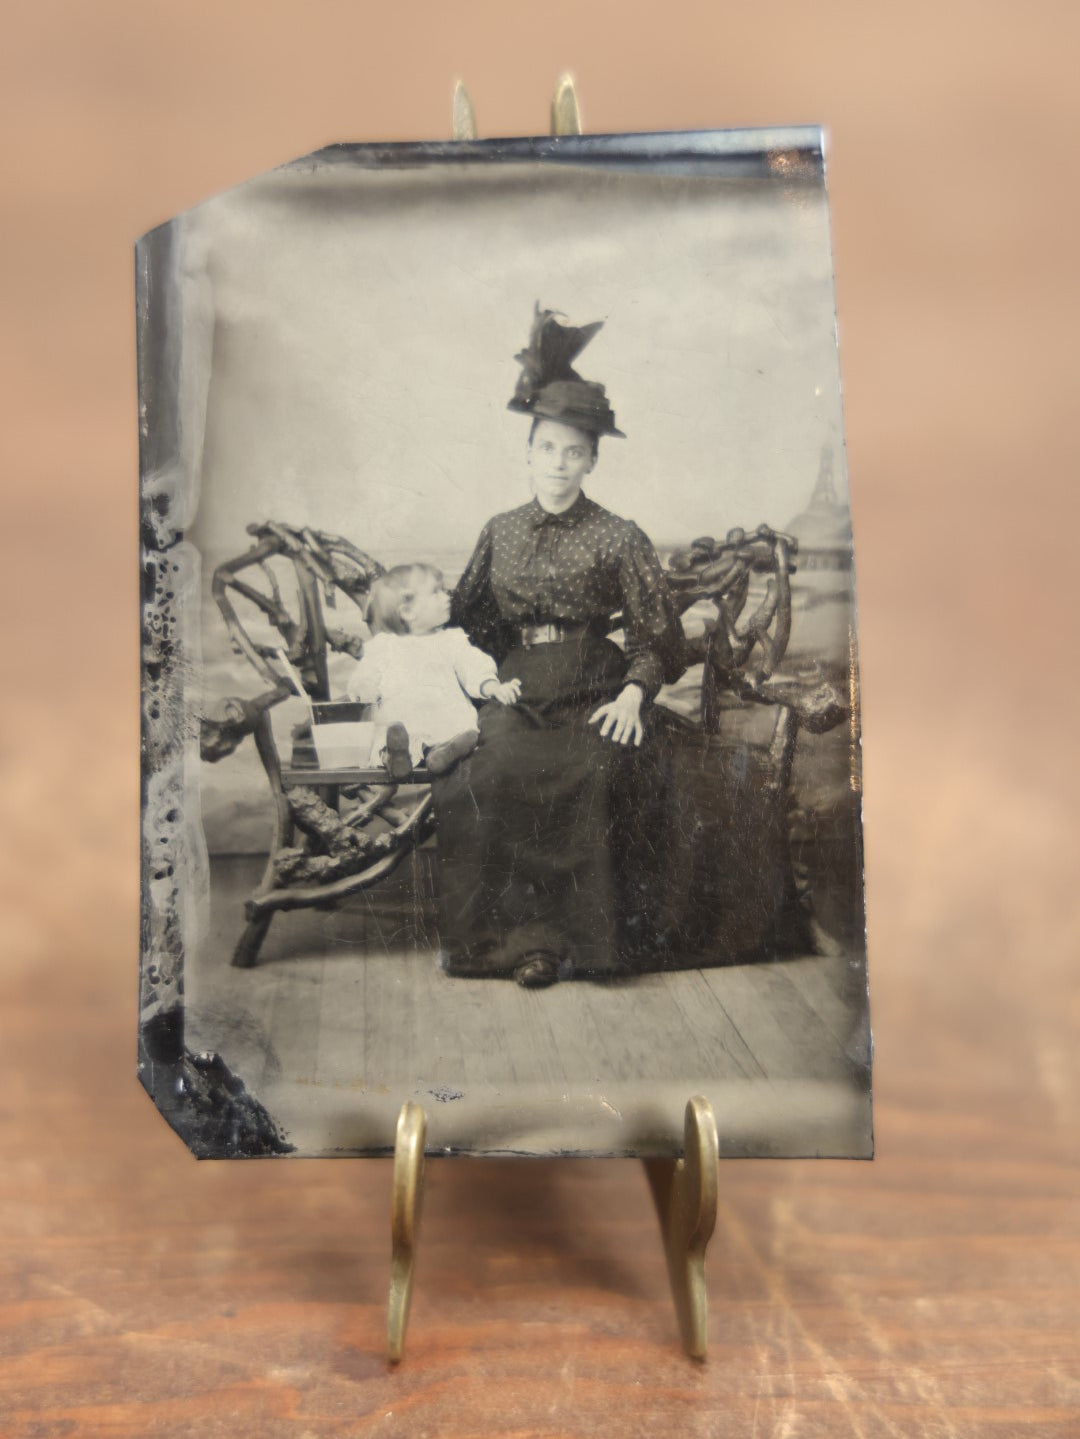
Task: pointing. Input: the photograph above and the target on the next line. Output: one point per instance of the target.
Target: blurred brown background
(933, 1292)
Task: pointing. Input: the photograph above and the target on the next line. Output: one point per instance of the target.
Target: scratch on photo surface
(443, 1094)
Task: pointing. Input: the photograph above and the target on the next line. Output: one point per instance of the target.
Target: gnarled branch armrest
(739, 651)
(817, 707)
(221, 732)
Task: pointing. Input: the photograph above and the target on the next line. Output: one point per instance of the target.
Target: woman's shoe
(538, 969)
(398, 758)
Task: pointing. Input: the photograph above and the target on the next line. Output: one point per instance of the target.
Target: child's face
(429, 609)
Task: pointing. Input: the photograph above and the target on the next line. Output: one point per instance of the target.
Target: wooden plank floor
(353, 1000)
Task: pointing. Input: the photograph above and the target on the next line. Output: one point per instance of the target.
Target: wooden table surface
(935, 1291)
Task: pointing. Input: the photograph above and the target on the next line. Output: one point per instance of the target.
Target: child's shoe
(398, 758)
(441, 757)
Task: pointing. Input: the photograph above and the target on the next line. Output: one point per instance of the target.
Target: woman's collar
(569, 516)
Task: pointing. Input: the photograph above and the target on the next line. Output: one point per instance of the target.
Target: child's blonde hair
(391, 592)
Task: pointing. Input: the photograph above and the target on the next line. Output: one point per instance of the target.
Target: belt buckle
(552, 633)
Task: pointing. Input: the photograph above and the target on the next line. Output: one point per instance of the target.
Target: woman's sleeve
(473, 606)
(655, 645)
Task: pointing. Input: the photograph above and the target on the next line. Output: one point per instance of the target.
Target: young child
(419, 674)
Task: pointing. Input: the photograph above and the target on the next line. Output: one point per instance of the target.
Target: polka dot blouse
(583, 566)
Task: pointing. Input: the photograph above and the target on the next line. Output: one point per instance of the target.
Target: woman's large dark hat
(549, 388)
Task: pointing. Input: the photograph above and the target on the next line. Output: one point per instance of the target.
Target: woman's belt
(552, 634)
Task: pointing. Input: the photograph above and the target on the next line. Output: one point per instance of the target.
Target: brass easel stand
(684, 1189)
(685, 1194)
(408, 1185)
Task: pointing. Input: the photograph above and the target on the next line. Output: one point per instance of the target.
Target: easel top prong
(565, 110)
(462, 115)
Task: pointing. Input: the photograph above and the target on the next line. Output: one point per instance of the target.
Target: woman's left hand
(620, 720)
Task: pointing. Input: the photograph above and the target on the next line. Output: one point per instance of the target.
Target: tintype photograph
(500, 701)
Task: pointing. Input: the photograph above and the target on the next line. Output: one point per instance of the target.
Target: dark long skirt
(544, 829)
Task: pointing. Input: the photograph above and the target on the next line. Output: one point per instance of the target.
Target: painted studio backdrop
(326, 359)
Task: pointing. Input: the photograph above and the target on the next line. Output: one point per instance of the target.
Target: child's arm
(476, 671)
(507, 693)
(363, 684)
(478, 675)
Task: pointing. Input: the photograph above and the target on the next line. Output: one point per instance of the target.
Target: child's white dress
(422, 682)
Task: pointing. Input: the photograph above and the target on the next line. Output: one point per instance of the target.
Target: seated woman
(538, 857)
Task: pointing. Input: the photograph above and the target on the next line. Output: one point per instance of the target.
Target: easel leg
(404, 1219)
(685, 1191)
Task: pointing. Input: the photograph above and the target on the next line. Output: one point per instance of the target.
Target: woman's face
(559, 459)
